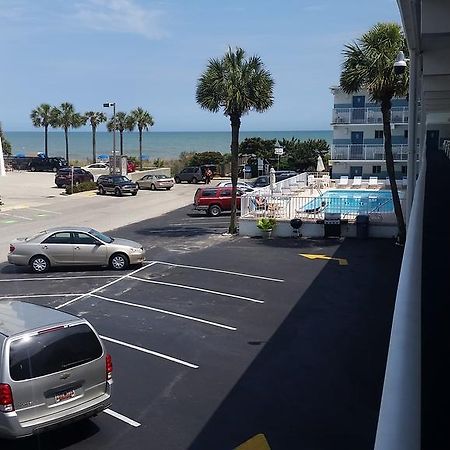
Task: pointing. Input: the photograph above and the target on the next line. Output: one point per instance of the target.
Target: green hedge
(86, 186)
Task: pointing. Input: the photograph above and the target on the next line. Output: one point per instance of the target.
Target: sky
(151, 53)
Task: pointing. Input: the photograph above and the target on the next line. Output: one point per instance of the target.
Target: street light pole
(108, 105)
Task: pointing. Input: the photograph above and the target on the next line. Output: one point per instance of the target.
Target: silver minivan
(53, 369)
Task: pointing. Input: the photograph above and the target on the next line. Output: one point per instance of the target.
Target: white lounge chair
(357, 181)
(325, 181)
(373, 182)
(311, 180)
(343, 181)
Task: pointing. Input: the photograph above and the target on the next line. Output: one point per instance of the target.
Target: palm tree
(123, 123)
(95, 119)
(65, 117)
(369, 65)
(41, 116)
(142, 120)
(237, 85)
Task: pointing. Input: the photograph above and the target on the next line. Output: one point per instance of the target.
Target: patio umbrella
(320, 166)
(102, 157)
(272, 179)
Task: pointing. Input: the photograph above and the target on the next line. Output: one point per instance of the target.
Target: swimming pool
(352, 202)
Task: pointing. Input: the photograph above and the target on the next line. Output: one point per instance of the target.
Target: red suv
(214, 200)
(64, 176)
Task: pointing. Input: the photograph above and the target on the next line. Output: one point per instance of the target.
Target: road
(218, 338)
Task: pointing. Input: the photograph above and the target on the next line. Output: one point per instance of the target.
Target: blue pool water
(352, 201)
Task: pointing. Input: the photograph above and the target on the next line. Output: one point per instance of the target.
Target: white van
(53, 369)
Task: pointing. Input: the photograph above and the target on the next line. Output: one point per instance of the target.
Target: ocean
(164, 145)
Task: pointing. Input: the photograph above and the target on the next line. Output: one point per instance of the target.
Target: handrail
(400, 410)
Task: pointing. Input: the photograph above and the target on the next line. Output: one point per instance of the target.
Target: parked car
(195, 174)
(64, 176)
(97, 169)
(54, 369)
(242, 185)
(131, 166)
(116, 184)
(215, 200)
(264, 180)
(154, 182)
(70, 246)
(18, 162)
(42, 164)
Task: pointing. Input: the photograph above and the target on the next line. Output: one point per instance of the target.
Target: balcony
(371, 152)
(371, 115)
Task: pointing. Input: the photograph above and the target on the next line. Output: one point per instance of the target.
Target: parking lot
(217, 338)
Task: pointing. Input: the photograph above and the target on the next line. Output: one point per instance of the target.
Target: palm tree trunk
(66, 135)
(140, 148)
(46, 140)
(94, 153)
(121, 142)
(386, 111)
(235, 125)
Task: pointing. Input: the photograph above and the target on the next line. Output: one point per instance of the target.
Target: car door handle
(45, 247)
(76, 247)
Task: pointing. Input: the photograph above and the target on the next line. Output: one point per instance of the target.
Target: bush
(266, 223)
(85, 186)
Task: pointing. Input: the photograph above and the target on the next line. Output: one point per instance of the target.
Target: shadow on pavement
(317, 383)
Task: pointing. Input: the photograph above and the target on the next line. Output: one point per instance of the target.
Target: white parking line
(121, 417)
(150, 352)
(105, 285)
(45, 210)
(277, 280)
(208, 291)
(170, 313)
(60, 278)
(36, 296)
(15, 215)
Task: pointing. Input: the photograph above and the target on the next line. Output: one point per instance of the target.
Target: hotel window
(378, 134)
(376, 169)
(405, 134)
(404, 170)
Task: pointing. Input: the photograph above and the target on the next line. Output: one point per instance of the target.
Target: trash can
(362, 227)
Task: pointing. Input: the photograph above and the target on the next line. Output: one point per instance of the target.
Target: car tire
(101, 190)
(152, 187)
(59, 186)
(39, 264)
(55, 169)
(119, 261)
(168, 189)
(139, 186)
(194, 180)
(134, 193)
(33, 169)
(214, 211)
(117, 192)
(177, 180)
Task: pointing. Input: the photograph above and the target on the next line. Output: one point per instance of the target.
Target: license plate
(64, 396)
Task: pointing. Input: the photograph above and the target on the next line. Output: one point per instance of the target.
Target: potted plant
(266, 225)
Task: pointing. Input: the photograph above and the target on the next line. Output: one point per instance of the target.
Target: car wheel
(39, 264)
(33, 169)
(168, 189)
(152, 187)
(54, 169)
(117, 192)
(59, 186)
(139, 186)
(119, 261)
(177, 180)
(194, 180)
(214, 210)
(101, 190)
(134, 193)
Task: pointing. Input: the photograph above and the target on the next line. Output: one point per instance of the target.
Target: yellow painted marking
(258, 442)
(342, 261)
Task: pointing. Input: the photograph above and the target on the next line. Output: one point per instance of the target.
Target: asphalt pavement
(218, 338)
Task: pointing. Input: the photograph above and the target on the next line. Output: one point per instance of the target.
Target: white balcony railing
(368, 115)
(372, 152)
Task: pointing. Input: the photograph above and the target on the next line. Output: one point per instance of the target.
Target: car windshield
(123, 179)
(101, 236)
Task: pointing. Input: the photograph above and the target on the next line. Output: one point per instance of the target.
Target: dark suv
(64, 176)
(215, 200)
(40, 164)
(116, 184)
(194, 174)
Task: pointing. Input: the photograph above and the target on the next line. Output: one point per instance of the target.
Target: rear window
(52, 351)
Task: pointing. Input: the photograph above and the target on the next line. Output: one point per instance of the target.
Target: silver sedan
(154, 182)
(70, 246)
